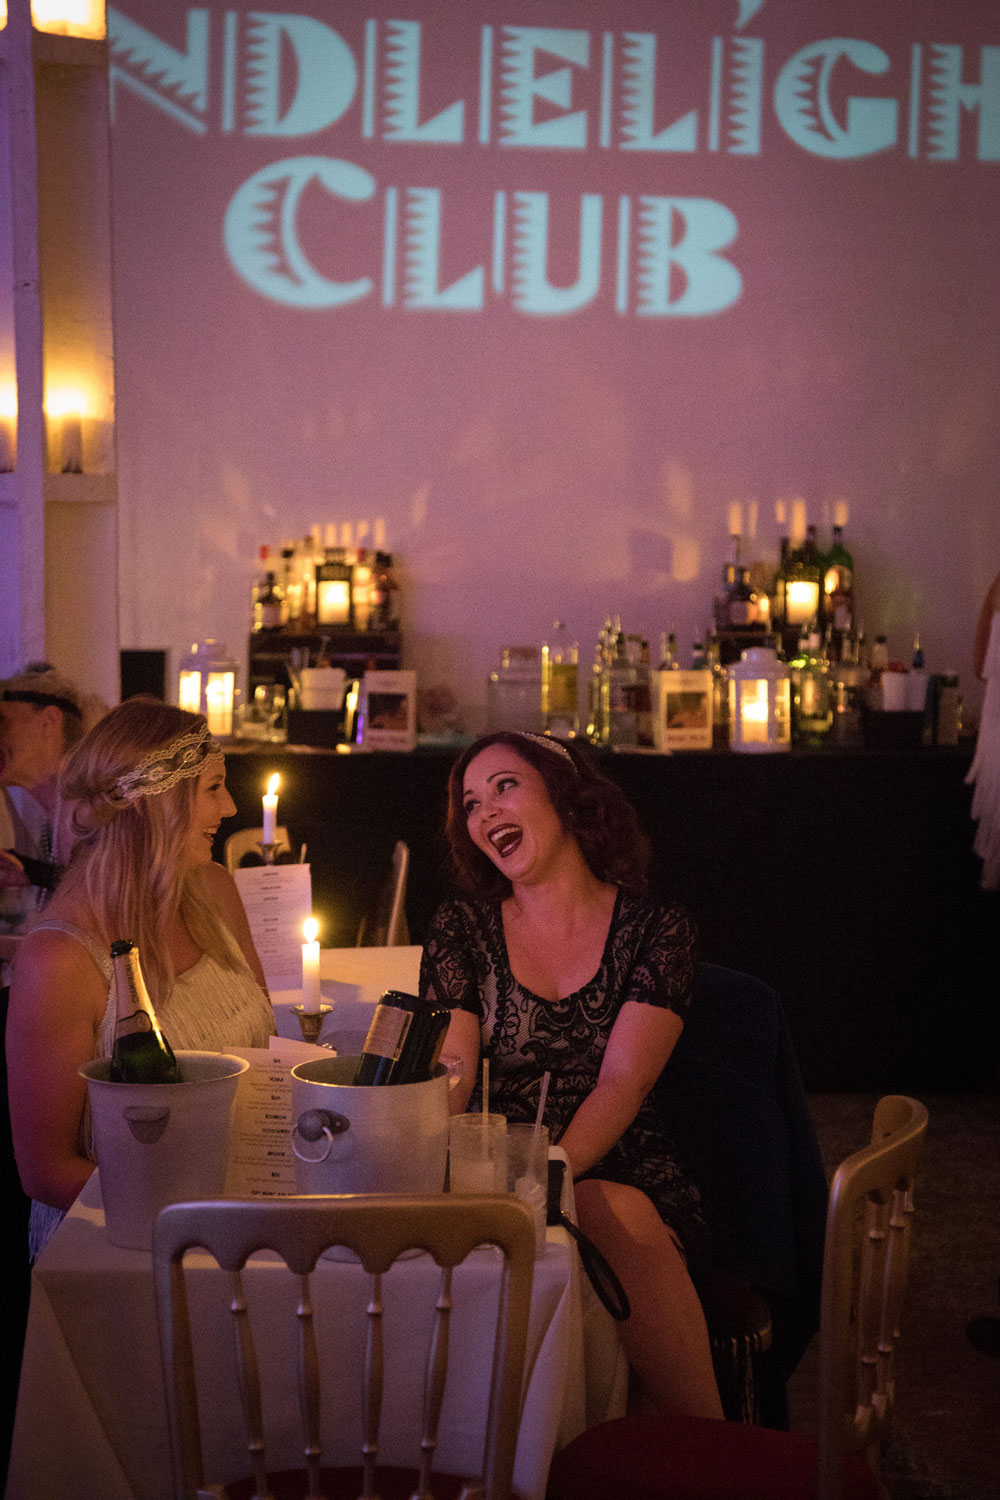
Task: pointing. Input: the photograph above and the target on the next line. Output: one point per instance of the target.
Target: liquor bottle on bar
(141, 1052)
(384, 613)
(560, 683)
(812, 709)
(838, 588)
(668, 652)
(617, 699)
(271, 602)
(642, 694)
(259, 584)
(595, 731)
(405, 1037)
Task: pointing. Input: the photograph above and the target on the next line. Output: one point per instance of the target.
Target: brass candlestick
(311, 1022)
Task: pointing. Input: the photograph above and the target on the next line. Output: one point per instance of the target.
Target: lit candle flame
(272, 785)
(310, 929)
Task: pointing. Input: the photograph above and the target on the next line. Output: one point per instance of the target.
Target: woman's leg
(665, 1339)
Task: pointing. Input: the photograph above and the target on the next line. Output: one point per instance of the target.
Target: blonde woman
(148, 789)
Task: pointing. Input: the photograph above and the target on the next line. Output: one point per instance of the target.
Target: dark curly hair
(589, 806)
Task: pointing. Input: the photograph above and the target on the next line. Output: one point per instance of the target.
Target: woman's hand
(640, 1043)
(57, 1000)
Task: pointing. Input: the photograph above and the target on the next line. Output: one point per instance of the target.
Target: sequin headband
(41, 700)
(555, 746)
(165, 766)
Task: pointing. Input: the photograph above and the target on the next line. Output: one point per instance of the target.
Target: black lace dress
(649, 956)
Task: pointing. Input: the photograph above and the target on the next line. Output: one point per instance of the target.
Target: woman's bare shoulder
(217, 885)
(56, 965)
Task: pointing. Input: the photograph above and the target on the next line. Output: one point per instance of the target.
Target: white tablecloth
(90, 1415)
(351, 980)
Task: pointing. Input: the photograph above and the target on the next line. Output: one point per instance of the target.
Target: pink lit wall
(550, 296)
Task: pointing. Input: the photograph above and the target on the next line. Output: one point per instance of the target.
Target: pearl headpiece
(168, 764)
(556, 746)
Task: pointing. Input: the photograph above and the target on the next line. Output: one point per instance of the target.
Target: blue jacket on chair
(732, 1099)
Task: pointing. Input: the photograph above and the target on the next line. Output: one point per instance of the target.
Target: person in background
(981, 640)
(42, 716)
(558, 960)
(148, 791)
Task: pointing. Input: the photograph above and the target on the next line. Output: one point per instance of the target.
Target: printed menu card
(278, 899)
(261, 1161)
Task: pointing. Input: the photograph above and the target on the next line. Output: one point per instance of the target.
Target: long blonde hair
(126, 866)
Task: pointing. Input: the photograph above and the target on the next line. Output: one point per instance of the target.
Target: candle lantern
(759, 702)
(207, 685)
(801, 600)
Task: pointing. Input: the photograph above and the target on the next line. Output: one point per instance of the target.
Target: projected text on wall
(540, 90)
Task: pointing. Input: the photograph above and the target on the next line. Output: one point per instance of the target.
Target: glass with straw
(528, 1166)
(478, 1148)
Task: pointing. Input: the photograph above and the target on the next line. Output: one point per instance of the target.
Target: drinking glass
(528, 1173)
(478, 1154)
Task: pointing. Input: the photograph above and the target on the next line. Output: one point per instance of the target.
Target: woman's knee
(617, 1210)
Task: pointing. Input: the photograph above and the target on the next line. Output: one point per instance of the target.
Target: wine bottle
(386, 1038)
(141, 1052)
(422, 1048)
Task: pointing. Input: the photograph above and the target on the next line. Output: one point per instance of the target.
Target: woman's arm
(640, 1043)
(220, 890)
(57, 1000)
(462, 1042)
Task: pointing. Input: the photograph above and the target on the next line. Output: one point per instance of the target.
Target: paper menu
(277, 900)
(261, 1160)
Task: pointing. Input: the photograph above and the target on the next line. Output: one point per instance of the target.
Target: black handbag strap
(602, 1278)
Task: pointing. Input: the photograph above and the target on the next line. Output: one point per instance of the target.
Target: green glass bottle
(812, 703)
(141, 1052)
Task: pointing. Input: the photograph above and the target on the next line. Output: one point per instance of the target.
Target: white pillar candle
(270, 811)
(310, 967)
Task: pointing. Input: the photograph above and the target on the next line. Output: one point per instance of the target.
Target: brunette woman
(559, 961)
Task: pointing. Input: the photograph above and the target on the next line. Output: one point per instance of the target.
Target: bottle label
(388, 1029)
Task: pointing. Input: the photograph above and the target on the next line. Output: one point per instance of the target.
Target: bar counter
(847, 880)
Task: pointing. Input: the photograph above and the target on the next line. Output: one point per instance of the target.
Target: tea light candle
(270, 801)
(310, 967)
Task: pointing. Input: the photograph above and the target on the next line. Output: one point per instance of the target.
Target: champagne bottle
(141, 1052)
(387, 1038)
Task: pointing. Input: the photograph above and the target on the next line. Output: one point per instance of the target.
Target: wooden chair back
(385, 925)
(246, 841)
(864, 1278)
(377, 1228)
(865, 1267)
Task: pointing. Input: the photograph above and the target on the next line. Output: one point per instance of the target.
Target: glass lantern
(207, 685)
(759, 702)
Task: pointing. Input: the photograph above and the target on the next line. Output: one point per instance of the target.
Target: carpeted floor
(947, 1434)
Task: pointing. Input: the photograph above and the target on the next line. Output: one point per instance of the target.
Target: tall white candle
(270, 811)
(310, 967)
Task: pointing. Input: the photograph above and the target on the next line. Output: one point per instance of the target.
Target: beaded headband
(543, 739)
(168, 764)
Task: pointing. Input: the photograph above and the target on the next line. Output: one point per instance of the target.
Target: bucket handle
(317, 1124)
